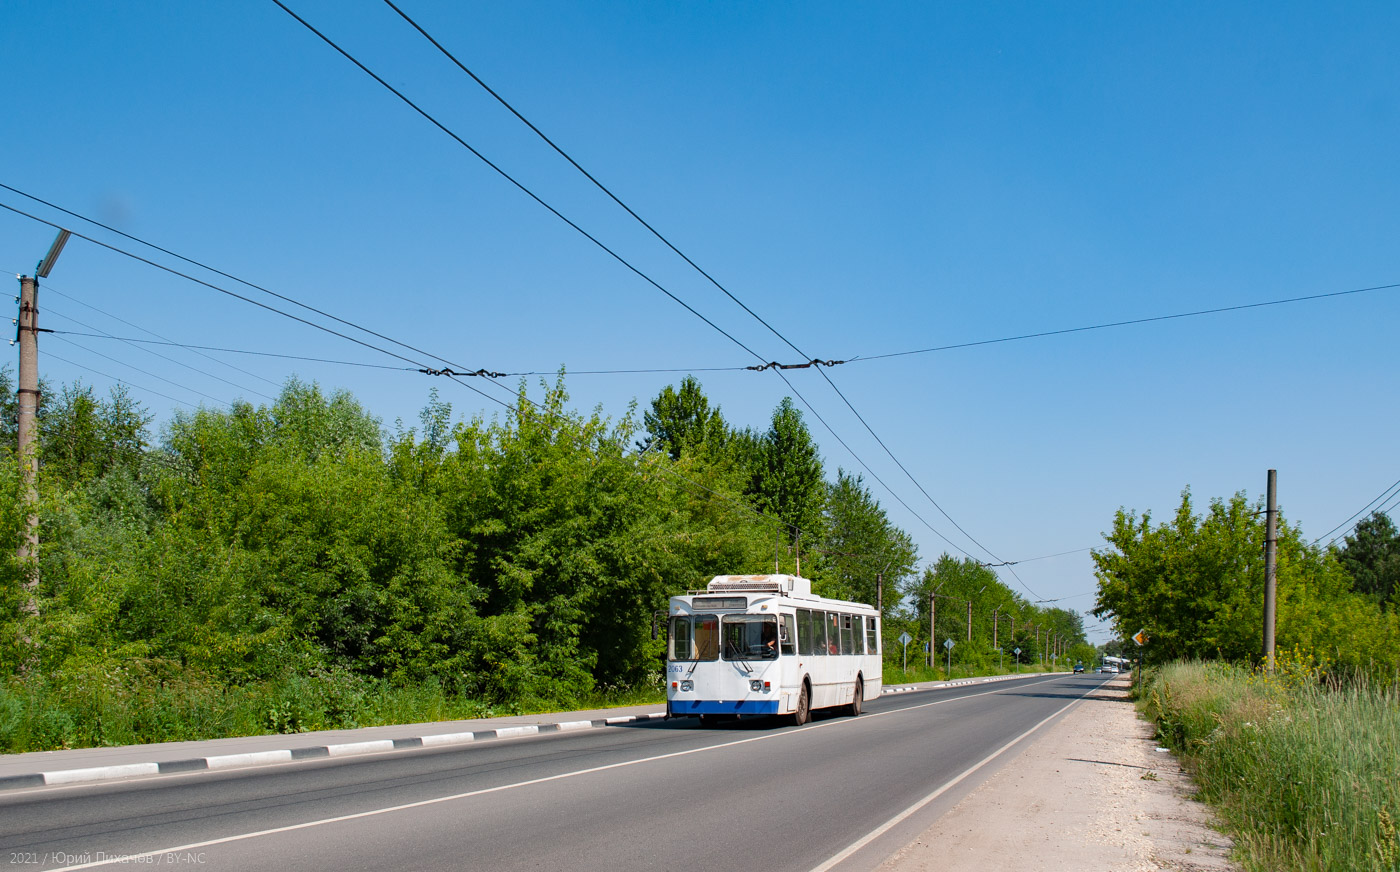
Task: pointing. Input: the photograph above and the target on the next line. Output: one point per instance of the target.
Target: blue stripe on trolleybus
(683, 707)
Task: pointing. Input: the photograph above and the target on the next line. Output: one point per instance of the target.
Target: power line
(48, 286)
(115, 379)
(103, 335)
(221, 349)
(1384, 495)
(1127, 323)
(214, 287)
(142, 371)
(226, 275)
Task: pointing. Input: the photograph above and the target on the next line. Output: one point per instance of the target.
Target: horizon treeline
(517, 560)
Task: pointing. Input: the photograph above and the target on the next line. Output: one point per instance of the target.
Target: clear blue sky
(868, 177)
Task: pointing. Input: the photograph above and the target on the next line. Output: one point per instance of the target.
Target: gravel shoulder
(1092, 794)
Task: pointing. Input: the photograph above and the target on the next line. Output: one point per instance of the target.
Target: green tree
(681, 421)
(1371, 556)
(1196, 586)
(787, 481)
(859, 543)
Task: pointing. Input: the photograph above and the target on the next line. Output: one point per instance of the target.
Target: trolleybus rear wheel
(854, 708)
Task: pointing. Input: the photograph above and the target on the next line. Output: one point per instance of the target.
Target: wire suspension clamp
(483, 373)
(813, 362)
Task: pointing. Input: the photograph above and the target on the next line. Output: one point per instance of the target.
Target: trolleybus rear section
(765, 645)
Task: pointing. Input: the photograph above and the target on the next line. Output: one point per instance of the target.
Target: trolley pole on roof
(1270, 569)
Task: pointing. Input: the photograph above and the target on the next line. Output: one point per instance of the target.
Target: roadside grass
(99, 710)
(1306, 771)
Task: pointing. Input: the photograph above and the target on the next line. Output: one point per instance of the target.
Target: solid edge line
(96, 774)
(890, 824)
(145, 855)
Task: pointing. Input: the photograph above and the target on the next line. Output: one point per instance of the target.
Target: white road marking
(904, 815)
(148, 856)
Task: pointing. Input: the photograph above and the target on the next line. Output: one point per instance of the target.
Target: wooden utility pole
(1270, 556)
(28, 408)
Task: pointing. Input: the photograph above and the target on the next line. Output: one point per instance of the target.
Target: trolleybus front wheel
(804, 707)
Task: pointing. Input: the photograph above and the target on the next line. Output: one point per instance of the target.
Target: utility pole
(1270, 580)
(28, 408)
(932, 613)
(27, 403)
(880, 594)
(969, 620)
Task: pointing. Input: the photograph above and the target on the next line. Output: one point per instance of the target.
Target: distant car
(1078, 667)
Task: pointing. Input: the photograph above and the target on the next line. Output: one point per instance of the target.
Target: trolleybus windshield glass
(695, 637)
(750, 637)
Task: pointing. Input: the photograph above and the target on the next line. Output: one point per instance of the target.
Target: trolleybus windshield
(750, 637)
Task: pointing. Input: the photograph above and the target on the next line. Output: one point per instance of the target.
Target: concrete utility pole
(28, 408)
(880, 593)
(969, 620)
(932, 636)
(1270, 555)
(27, 403)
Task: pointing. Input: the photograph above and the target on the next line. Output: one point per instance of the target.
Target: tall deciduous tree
(860, 544)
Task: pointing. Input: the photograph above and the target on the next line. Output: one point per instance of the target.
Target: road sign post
(1017, 652)
(905, 640)
(948, 644)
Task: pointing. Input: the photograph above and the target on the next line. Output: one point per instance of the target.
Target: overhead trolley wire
(508, 177)
(628, 209)
(812, 362)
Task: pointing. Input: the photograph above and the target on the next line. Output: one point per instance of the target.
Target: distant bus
(764, 645)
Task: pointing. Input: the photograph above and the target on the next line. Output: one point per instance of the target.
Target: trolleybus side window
(872, 637)
(694, 637)
(750, 637)
(787, 636)
(851, 643)
(819, 633)
(833, 633)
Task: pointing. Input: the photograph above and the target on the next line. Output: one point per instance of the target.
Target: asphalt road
(839, 793)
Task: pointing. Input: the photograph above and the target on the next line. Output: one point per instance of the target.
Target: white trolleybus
(764, 645)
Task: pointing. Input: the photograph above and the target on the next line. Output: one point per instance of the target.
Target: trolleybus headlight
(687, 685)
(756, 686)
